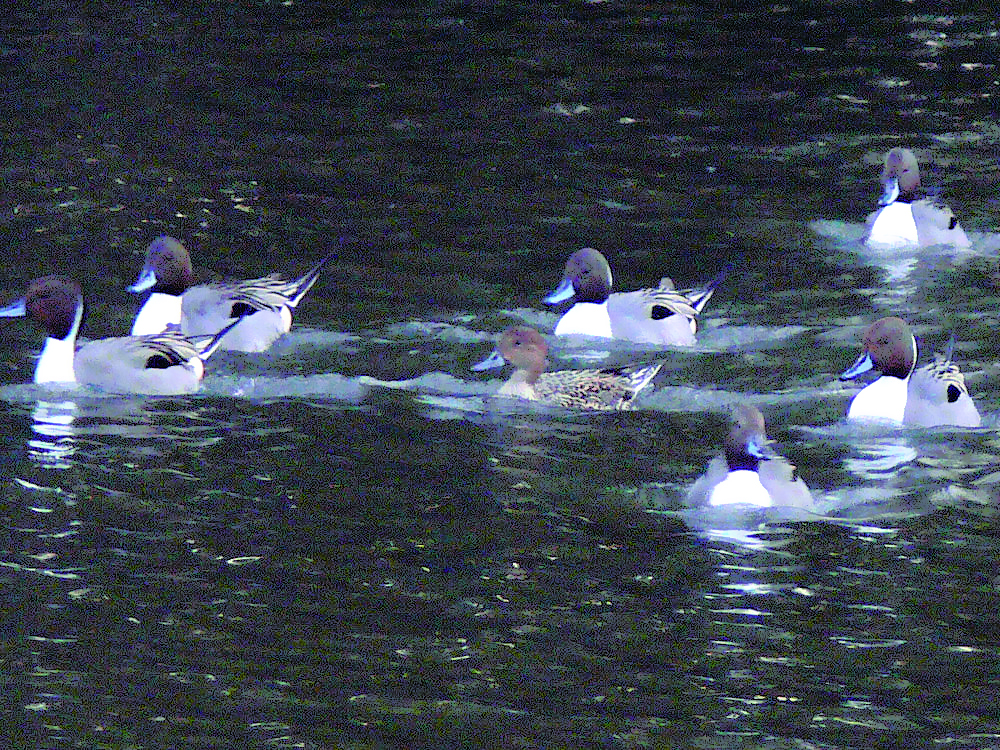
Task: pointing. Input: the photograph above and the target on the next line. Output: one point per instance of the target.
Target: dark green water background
(341, 543)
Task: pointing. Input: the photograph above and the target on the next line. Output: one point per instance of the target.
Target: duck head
(167, 268)
(587, 278)
(889, 348)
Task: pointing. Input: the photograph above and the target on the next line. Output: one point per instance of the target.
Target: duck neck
(159, 311)
(176, 286)
(55, 363)
(592, 290)
(519, 385)
(740, 460)
(530, 373)
(902, 366)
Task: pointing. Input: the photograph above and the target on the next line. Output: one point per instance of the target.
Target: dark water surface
(344, 542)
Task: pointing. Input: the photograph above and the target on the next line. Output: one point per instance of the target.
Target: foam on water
(441, 383)
(435, 331)
(326, 385)
(901, 263)
(300, 337)
(468, 408)
(684, 398)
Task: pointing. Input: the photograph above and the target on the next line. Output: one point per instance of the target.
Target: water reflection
(578, 623)
(755, 602)
(881, 459)
(54, 443)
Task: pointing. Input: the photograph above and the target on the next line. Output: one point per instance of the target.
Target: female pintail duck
(750, 472)
(906, 215)
(649, 316)
(158, 364)
(526, 350)
(931, 396)
(265, 304)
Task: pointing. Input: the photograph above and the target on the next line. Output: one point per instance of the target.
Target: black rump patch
(240, 309)
(159, 362)
(953, 223)
(953, 394)
(660, 312)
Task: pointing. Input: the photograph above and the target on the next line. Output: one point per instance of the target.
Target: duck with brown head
(750, 472)
(262, 306)
(933, 395)
(661, 315)
(165, 363)
(906, 215)
(527, 351)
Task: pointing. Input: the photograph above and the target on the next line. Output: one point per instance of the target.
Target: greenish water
(345, 542)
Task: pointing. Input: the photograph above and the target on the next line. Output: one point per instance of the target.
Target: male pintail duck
(526, 350)
(649, 316)
(750, 472)
(265, 305)
(158, 364)
(931, 396)
(907, 217)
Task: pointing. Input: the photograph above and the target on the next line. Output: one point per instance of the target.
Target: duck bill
(562, 293)
(493, 361)
(146, 280)
(16, 309)
(890, 191)
(861, 365)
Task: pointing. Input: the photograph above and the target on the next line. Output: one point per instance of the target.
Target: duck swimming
(526, 350)
(749, 472)
(262, 306)
(162, 363)
(933, 395)
(660, 315)
(907, 216)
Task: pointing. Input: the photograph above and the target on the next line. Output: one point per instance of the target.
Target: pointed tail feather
(305, 283)
(642, 375)
(949, 350)
(638, 378)
(699, 298)
(205, 350)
